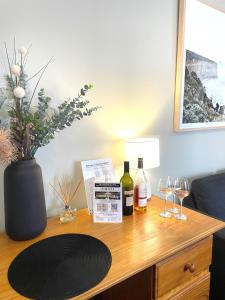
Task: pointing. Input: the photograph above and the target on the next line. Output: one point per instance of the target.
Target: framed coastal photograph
(200, 72)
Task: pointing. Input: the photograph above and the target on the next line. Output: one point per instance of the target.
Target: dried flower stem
(42, 73)
(8, 151)
(14, 46)
(7, 55)
(26, 56)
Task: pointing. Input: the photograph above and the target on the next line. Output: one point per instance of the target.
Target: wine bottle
(127, 191)
(140, 188)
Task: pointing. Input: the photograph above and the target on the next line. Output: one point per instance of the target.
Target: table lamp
(148, 149)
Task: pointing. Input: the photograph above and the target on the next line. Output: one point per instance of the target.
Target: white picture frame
(200, 69)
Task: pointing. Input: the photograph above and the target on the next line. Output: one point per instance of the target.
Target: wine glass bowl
(164, 188)
(182, 190)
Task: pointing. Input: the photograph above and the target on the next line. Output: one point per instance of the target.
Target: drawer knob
(190, 267)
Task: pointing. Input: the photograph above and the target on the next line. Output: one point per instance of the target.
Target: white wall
(127, 49)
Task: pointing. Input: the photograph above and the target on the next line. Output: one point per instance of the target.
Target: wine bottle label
(142, 195)
(129, 201)
(129, 196)
(142, 202)
(142, 190)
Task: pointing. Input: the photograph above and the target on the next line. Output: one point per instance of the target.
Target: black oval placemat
(60, 267)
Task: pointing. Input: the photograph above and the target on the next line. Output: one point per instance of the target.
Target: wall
(127, 49)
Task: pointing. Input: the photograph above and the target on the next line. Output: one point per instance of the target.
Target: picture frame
(200, 69)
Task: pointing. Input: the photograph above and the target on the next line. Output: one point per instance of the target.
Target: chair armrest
(189, 201)
(217, 267)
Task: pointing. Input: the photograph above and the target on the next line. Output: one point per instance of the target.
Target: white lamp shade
(147, 148)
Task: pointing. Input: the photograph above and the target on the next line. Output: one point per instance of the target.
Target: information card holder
(107, 203)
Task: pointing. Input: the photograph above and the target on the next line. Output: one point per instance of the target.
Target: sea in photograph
(215, 87)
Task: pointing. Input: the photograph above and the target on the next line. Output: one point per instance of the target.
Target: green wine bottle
(127, 191)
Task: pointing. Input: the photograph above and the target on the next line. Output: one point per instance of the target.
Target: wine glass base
(165, 214)
(181, 217)
(173, 210)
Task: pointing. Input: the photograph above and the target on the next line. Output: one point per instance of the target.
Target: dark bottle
(127, 191)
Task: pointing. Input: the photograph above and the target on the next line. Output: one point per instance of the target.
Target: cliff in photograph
(204, 68)
(197, 106)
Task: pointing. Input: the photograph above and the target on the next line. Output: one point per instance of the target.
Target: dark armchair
(208, 196)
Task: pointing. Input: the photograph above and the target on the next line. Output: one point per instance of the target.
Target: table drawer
(199, 291)
(183, 267)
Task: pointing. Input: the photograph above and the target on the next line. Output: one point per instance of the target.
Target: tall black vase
(25, 211)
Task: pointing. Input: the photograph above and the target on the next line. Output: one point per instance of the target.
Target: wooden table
(152, 257)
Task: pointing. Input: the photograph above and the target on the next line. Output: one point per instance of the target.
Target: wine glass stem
(181, 206)
(165, 203)
(173, 201)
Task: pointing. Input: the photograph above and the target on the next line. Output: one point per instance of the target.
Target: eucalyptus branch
(12, 108)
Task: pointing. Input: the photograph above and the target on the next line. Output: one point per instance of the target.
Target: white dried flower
(16, 70)
(23, 51)
(19, 92)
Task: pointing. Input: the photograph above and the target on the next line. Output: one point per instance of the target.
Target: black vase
(24, 200)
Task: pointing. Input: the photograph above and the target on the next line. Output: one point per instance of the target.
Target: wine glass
(164, 187)
(182, 190)
(174, 209)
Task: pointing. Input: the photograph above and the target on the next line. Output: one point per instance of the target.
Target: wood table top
(139, 242)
